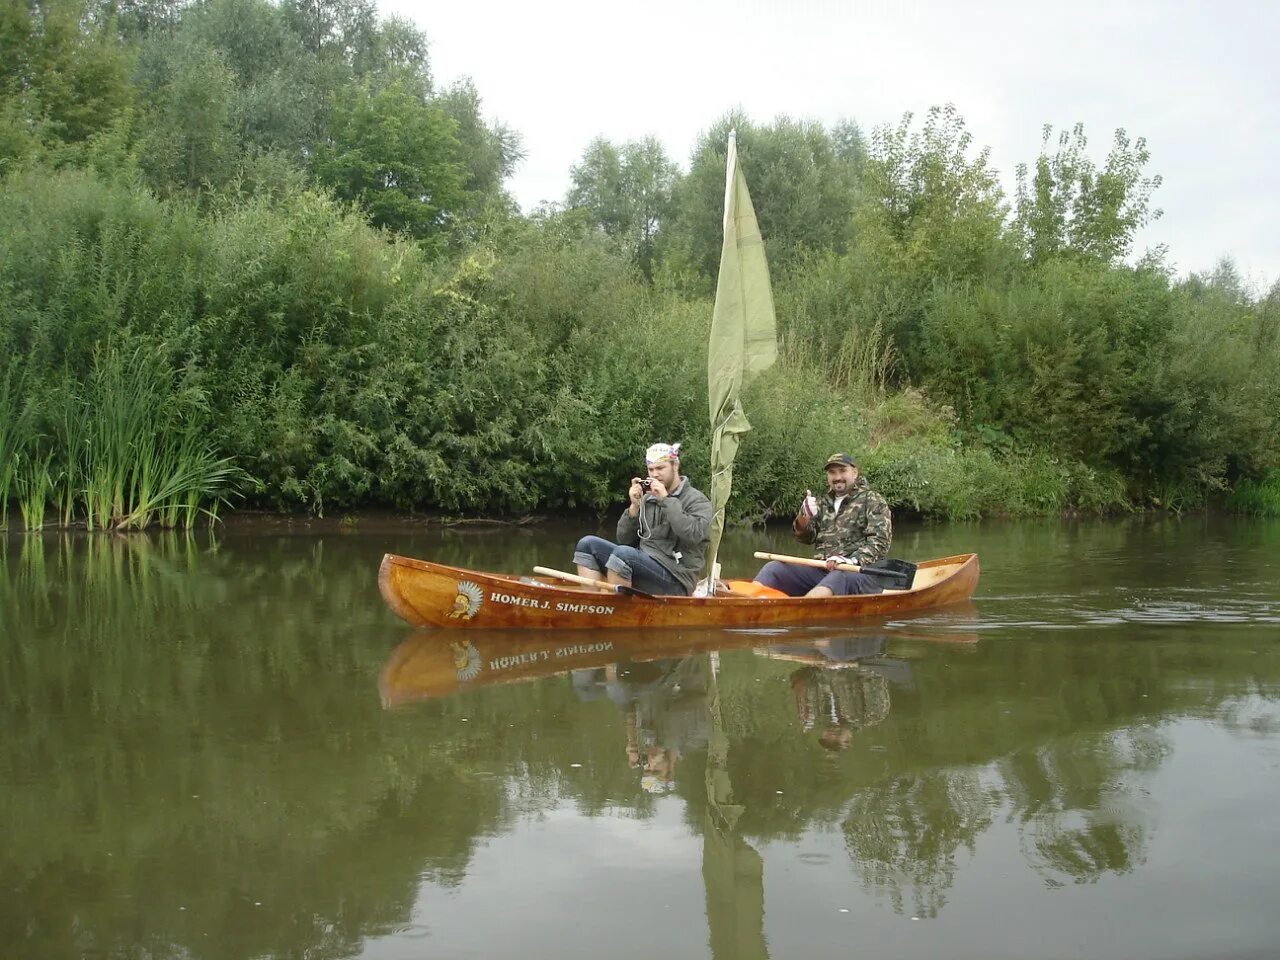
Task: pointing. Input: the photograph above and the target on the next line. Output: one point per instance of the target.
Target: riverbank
(250, 522)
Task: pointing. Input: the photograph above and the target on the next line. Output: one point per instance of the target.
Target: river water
(229, 748)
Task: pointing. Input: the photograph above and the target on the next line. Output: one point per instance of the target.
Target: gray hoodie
(674, 531)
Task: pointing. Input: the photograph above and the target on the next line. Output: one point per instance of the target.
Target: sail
(743, 337)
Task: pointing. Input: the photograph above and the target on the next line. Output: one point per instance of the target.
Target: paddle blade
(891, 573)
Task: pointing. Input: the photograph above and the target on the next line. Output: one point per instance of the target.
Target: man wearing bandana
(851, 524)
(662, 535)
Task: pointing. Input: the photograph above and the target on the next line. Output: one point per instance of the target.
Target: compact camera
(646, 484)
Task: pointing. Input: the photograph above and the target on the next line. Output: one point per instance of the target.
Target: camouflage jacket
(862, 530)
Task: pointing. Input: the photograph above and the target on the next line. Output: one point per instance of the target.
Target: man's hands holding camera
(642, 485)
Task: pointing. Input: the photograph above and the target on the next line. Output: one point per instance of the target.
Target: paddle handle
(807, 561)
(574, 578)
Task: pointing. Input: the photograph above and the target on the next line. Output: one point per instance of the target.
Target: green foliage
(16, 433)
(930, 207)
(187, 140)
(1061, 359)
(928, 214)
(489, 154)
(62, 70)
(627, 192)
(1069, 206)
(310, 246)
(803, 181)
(278, 96)
(139, 447)
(394, 154)
(35, 490)
(81, 257)
(829, 314)
(122, 449)
(1259, 497)
(965, 483)
(1222, 384)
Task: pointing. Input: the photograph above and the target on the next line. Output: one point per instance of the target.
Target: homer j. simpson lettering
(560, 606)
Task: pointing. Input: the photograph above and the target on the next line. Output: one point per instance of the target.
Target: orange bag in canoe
(749, 588)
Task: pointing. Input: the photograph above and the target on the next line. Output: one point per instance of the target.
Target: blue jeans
(630, 563)
(795, 580)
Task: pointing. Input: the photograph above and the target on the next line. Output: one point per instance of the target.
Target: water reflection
(210, 750)
(732, 869)
(673, 710)
(1081, 811)
(615, 664)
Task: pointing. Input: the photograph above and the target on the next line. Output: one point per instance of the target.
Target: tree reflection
(903, 836)
(201, 728)
(1079, 805)
(186, 759)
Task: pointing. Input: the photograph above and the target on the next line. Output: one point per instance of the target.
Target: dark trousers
(795, 580)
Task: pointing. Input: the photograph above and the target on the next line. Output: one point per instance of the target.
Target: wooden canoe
(428, 594)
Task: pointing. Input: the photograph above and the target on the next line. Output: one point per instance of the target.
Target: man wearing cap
(851, 524)
(662, 535)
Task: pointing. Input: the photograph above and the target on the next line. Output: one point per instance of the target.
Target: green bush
(1258, 497)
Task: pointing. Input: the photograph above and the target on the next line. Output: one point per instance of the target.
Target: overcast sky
(1198, 80)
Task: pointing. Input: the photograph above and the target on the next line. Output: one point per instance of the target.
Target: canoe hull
(427, 594)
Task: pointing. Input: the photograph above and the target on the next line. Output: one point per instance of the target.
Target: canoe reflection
(436, 663)
(669, 688)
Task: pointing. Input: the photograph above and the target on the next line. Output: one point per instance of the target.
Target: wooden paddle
(897, 574)
(598, 584)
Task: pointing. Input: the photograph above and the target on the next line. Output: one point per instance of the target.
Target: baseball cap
(840, 458)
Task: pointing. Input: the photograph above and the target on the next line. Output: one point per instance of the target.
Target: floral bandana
(662, 452)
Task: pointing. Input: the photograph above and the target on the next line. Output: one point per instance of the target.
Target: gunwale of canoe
(426, 594)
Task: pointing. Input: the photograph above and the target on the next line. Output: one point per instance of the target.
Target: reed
(35, 482)
(120, 411)
(176, 480)
(71, 439)
(1257, 497)
(15, 435)
(126, 452)
(865, 363)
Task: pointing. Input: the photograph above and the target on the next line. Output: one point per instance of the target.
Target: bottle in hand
(809, 505)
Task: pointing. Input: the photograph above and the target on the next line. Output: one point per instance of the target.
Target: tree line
(255, 249)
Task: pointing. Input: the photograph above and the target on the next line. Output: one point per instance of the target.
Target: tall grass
(1258, 497)
(15, 425)
(142, 459)
(124, 450)
(35, 483)
(71, 438)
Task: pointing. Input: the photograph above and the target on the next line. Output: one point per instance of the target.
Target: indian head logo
(466, 660)
(467, 602)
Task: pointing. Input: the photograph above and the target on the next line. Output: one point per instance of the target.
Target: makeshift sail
(744, 337)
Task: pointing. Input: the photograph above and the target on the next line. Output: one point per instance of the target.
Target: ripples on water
(1234, 603)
